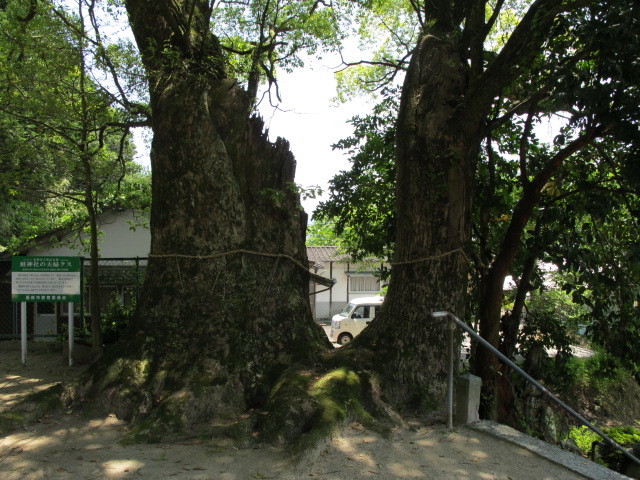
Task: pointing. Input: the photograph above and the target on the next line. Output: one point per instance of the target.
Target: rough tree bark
(448, 90)
(224, 307)
(437, 149)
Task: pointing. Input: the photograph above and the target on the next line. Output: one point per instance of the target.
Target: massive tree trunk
(224, 307)
(449, 88)
(437, 148)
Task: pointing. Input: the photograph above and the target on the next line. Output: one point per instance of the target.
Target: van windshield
(345, 311)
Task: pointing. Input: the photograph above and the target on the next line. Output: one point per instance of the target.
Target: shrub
(115, 319)
(626, 436)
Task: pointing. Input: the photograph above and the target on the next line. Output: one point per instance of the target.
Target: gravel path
(68, 446)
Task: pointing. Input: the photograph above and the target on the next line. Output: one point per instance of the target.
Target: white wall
(116, 240)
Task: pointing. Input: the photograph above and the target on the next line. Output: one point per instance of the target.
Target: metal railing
(456, 321)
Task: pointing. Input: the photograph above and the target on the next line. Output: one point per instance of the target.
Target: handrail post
(450, 327)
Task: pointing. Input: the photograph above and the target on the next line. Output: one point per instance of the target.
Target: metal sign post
(71, 330)
(23, 331)
(45, 279)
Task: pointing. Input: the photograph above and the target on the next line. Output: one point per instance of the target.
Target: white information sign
(45, 279)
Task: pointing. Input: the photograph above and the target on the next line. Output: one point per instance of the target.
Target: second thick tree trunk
(437, 148)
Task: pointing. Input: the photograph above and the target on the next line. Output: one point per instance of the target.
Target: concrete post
(467, 399)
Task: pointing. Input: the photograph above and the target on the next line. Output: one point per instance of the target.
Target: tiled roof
(325, 254)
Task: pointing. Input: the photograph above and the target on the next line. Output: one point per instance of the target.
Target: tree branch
(530, 196)
(473, 36)
(524, 146)
(494, 17)
(102, 53)
(523, 45)
(393, 64)
(45, 125)
(520, 108)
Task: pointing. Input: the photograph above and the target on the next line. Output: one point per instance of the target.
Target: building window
(364, 283)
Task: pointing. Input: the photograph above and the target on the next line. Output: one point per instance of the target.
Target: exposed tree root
(305, 406)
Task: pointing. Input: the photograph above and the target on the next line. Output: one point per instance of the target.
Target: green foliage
(586, 217)
(64, 147)
(552, 320)
(603, 387)
(584, 438)
(361, 200)
(115, 319)
(508, 19)
(595, 246)
(322, 233)
(262, 35)
(599, 375)
(278, 196)
(386, 31)
(625, 436)
(134, 192)
(604, 82)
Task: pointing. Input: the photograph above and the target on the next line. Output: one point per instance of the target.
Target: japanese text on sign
(45, 279)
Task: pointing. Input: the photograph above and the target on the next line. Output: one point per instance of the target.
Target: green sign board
(45, 279)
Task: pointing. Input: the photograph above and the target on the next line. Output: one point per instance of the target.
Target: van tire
(344, 338)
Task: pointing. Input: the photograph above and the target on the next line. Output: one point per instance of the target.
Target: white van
(353, 318)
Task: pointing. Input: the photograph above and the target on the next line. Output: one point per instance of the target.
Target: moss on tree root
(305, 407)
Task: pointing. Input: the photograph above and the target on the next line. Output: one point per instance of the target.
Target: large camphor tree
(466, 86)
(224, 309)
(450, 86)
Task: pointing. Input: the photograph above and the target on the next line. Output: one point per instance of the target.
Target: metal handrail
(456, 321)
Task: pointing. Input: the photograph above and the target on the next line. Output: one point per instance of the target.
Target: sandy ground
(68, 446)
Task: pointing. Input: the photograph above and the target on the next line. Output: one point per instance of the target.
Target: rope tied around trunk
(318, 278)
(433, 257)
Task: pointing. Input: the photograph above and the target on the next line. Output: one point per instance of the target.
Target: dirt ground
(68, 446)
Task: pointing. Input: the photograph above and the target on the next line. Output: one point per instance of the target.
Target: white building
(123, 234)
(352, 280)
